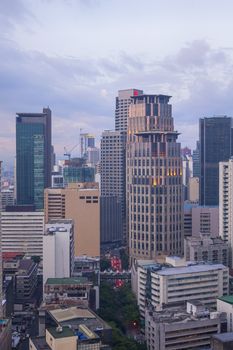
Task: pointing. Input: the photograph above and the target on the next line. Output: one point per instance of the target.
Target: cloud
(12, 13)
(81, 92)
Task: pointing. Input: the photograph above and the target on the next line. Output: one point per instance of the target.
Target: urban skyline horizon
(76, 67)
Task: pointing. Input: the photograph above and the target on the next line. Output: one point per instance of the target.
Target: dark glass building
(33, 157)
(216, 145)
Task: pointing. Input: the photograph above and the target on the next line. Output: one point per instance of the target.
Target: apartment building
(162, 285)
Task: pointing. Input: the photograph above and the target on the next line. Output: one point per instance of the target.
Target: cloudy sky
(74, 55)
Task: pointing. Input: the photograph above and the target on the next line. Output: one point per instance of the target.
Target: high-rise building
(216, 145)
(33, 157)
(196, 160)
(113, 205)
(154, 179)
(86, 141)
(22, 231)
(79, 202)
(123, 101)
(113, 172)
(193, 189)
(1, 314)
(226, 204)
(58, 249)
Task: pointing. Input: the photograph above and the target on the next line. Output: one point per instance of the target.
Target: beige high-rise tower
(80, 203)
(1, 313)
(154, 179)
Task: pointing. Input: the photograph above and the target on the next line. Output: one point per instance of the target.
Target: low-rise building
(55, 339)
(161, 285)
(63, 289)
(222, 341)
(225, 304)
(206, 248)
(179, 327)
(74, 317)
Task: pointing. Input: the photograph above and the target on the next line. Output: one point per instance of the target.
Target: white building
(159, 285)
(58, 249)
(226, 203)
(177, 328)
(22, 231)
(225, 304)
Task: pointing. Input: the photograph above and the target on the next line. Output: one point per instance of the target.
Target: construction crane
(68, 153)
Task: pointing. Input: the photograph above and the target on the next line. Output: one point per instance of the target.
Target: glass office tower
(216, 145)
(33, 157)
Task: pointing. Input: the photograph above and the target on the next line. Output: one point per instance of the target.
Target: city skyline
(76, 68)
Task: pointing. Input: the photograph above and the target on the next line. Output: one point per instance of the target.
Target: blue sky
(74, 55)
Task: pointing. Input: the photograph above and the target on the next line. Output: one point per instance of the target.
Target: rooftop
(178, 313)
(67, 280)
(61, 332)
(227, 299)
(224, 337)
(70, 313)
(168, 271)
(76, 316)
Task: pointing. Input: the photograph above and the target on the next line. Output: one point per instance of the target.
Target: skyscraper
(86, 140)
(1, 314)
(154, 179)
(196, 160)
(216, 145)
(113, 172)
(123, 101)
(113, 212)
(226, 204)
(33, 157)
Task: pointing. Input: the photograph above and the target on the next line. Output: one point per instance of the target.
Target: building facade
(78, 202)
(225, 304)
(113, 198)
(226, 203)
(22, 231)
(25, 280)
(216, 145)
(58, 249)
(200, 219)
(154, 179)
(33, 157)
(205, 248)
(1, 313)
(123, 100)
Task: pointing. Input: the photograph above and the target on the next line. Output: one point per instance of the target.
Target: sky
(74, 56)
